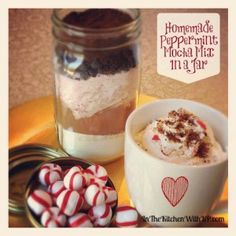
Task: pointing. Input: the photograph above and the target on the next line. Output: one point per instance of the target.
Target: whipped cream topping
(87, 97)
(181, 137)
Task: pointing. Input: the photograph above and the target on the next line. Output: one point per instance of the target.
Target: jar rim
(57, 21)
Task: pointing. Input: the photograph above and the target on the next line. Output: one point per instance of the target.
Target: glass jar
(96, 65)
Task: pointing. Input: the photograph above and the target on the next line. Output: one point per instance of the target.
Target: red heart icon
(174, 190)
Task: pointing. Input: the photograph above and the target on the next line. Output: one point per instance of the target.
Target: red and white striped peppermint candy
(74, 168)
(95, 195)
(111, 196)
(80, 220)
(74, 179)
(56, 188)
(96, 174)
(49, 173)
(52, 217)
(100, 215)
(69, 202)
(126, 216)
(85, 206)
(38, 201)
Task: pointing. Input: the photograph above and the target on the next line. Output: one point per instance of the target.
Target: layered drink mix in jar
(96, 61)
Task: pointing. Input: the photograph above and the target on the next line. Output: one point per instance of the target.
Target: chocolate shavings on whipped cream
(185, 130)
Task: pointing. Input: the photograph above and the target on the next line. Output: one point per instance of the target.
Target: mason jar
(96, 65)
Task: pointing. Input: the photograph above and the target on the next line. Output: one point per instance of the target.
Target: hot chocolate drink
(181, 138)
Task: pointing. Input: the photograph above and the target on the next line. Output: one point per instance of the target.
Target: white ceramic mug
(162, 189)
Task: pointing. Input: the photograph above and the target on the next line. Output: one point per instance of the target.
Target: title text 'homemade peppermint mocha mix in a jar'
(96, 61)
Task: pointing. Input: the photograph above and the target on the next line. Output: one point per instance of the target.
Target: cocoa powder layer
(98, 18)
(106, 122)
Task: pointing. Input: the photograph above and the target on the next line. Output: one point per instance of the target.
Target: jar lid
(22, 161)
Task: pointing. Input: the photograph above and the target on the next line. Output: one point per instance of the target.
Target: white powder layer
(96, 148)
(87, 97)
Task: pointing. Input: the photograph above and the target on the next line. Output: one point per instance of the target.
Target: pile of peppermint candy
(78, 197)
